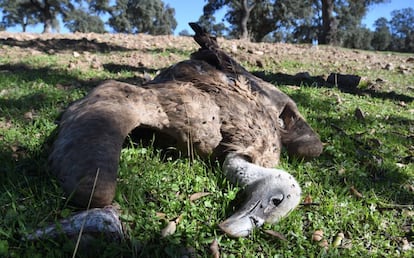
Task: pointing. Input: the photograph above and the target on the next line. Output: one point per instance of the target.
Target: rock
(345, 82)
(259, 63)
(410, 60)
(234, 48)
(303, 75)
(389, 67)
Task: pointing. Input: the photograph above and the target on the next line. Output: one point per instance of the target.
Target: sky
(190, 10)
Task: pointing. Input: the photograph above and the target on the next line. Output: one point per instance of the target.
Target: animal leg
(297, 136)
(270, 195)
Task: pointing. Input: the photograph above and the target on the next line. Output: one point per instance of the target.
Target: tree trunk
(47, 27)
(24, 25)
(245, 13)
(47, 17)
(328, 23)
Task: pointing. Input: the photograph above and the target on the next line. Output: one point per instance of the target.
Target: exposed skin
(211, 102)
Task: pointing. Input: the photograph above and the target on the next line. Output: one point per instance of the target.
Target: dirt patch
(146, 54)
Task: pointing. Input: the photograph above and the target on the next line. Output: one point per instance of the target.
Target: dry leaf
(317, 235)
(405, 244)
(28, 115)
(197, 196)
(5, 124)
(355, 192)
(214, 248)
(161, 215)
(275, 234)
(178, 219)
(324, 244)
(308, 199)
(410, 187)
(169, 229)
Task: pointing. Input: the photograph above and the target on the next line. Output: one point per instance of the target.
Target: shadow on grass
(116, 68)
(29, 186)
(319, 81)
(58, 45)
(169, 50)
(47, 74)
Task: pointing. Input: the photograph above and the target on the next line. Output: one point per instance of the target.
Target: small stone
(28, 115)
(389, 67)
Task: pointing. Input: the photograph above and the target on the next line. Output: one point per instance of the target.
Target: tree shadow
(116, 68)
(318, 81)
(66, 80)
(47, 74)
(168, 50)
(298, 79)
(60, 45)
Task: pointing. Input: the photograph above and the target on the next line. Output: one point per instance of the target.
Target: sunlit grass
(372, 155)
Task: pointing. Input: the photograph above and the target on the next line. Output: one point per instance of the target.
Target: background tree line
(334, 22)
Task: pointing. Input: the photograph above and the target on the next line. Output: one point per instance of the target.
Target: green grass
(373, 155)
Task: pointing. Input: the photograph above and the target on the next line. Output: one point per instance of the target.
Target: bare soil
(145, 54)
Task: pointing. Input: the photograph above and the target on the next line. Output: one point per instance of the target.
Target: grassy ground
(362, 185)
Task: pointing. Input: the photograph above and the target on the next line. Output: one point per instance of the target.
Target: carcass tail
(203, 38)
(211, 53)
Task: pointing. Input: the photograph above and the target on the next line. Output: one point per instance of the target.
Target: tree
(119, 19)
(300, 19)
(402, 29)
(238, 14)
(47, 11)
(79, 20)
(382, 35)
(184, 33)
(142, 16)
(245, 8)
(18, 13)
(26, 12)
(209, 22)
(258, 19)
(329, 23)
